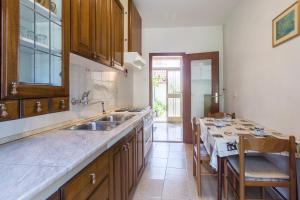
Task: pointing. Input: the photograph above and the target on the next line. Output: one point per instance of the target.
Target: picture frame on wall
(286, 25)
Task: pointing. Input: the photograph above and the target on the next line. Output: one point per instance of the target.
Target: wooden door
(131, 164)
(117, 33)
(134, 29)
(102, 33)
(82, 27)
(117, 165)
(212, 97)
(140, 151)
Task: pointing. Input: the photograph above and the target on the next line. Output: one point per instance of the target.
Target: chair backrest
(269, 145)
(220, 115)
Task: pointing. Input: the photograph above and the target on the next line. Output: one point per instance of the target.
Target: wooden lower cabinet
(140, 158)
(112, 176)
(89, 181)
(117, 165)
(131, 164)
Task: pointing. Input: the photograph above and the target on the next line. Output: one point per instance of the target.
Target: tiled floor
(168, 176)
(167, 132)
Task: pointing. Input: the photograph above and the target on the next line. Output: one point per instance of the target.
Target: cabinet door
(118, 173)
(131, 179)
(134, 29)
(101, 192)
(35, 48)
(117, 33)
(82, 27)
(102, 37)
(140, 150)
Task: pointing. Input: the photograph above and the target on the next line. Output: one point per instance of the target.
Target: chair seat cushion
(258, 168)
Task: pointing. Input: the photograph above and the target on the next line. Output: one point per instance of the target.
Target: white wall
(185, 39)
(105, 84)
(262, 82)
(265, 80)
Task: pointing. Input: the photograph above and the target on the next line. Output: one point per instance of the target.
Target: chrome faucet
(103, 108)
(84, 99)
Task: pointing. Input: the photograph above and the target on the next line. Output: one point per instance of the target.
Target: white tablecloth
(223, 142)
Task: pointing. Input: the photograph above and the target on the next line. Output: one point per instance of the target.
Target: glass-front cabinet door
(36, 48)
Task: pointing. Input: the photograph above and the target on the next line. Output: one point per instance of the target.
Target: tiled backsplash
(104, 83)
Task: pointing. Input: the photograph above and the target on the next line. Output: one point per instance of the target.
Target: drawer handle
(14, 86)
(3, 111)
(95, 55)
(62, 104)
(38, 105)
(93, 178)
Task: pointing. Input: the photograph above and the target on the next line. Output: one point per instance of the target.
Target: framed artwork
(286, 25)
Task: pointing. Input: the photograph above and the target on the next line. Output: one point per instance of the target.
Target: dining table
(221, 137)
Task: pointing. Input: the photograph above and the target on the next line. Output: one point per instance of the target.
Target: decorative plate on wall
(287, 25)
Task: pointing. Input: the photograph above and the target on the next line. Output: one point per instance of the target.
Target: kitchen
(76, 113)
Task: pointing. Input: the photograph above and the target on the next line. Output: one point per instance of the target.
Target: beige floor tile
(177, 147)
(175, 190)
(176, 163)
(150, 188)
(154, 173)
(158, 162)
(161, 146)
(176, 174)
(159, 154)
(177, 154)
(139, 197)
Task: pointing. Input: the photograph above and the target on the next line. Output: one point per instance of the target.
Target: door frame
(151, 55)
(214, 56)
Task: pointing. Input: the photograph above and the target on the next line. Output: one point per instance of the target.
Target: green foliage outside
(159, 108)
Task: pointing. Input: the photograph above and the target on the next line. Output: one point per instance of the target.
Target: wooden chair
(220, 115)
(256, 171)
(200, 155)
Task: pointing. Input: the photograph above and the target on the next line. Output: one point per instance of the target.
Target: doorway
(166, 96)
(201, 88)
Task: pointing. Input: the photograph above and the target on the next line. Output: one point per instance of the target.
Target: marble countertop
(36, 166)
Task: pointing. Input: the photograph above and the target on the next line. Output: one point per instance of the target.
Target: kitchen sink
(106, 123)
(116, 118)
(95, 126)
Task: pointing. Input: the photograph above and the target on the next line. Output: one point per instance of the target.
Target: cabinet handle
(124, 148)
(3, 111)
(93, 178)
(38, 105)
(62, 104)
(95, 55)
(14, 86)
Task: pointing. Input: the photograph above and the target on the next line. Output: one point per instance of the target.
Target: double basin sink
(106, 123)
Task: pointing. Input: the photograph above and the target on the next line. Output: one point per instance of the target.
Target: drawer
(34, 107)
(59, 104)
(9, 110)
(83, 185)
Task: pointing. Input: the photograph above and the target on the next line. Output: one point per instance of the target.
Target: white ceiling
(182, 13)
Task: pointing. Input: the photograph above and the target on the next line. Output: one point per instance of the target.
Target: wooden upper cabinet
(117, 33)
(134, 29)
(82, 27)
(35, 49)
(102, 37)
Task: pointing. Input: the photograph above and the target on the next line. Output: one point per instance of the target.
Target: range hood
(134, 60)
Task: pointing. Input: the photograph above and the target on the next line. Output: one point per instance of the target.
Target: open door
(201, 88)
